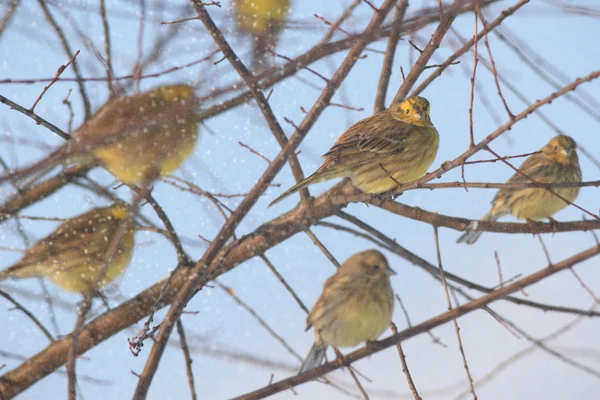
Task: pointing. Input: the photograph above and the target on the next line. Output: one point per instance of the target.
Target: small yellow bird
(74, 253)
(136, 138)
(263, 20)
(556, 163)
(356, 305)
(394, 146)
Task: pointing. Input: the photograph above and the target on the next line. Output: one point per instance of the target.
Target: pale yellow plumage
(74, 253)
(394, 146)
(356, 306)
(557, 162)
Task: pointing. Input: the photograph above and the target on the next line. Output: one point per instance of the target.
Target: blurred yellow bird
(74, 253)
(556, 163)
(263, 20)
(136, 138)
(397, 145)
(356, 305)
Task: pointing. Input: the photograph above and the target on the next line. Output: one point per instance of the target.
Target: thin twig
(475, 62)
(107, 48)
(467, 45)
(409, 380)
(232, 293)
(340, 359)
(57, 75)
(334, 27)
(388, 60)
(67, 49)
(284, 283)
(188, 358)
(29, 314)
(428, 51)
(450, 308)
(39, 120)
(321, 247)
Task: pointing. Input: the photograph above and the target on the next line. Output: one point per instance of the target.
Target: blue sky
(29, 49)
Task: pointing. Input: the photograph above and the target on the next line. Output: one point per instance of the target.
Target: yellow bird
(556, 163)
(394, 146)
(136, 138)
(263, 20)
(356, 305)
(74, 253)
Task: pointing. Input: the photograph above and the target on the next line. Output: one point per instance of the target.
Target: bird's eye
(555, 148)
(407, 111)
(376, 266)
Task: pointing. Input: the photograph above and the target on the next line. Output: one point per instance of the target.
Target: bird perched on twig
(136, 138)
(73, 255)
(557, 162)
(263, 20)
(392, 147)
(356, 305)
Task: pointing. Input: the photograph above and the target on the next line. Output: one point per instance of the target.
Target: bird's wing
(73, 238)
(535, 167)
(376, 135)
(538, 167)
(125, 117)
(328, 303)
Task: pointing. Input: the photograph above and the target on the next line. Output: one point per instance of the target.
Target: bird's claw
(535, 229)
(554, 224)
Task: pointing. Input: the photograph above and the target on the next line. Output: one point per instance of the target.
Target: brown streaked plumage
(356, 305)
(394, 146)
(556, 163)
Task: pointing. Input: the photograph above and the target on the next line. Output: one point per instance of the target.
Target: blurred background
(233, 353)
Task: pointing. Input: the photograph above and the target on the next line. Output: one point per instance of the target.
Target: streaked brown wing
(330, 299)
(537, 167)
(78, 233)
(377, 135)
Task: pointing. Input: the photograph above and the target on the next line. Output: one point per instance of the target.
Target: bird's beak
(418, 116)
(565, 151)
(390, 271)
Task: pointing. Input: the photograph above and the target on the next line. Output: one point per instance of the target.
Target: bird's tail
(471, 236)
(314, 178)
(19, 271)
(24, 176)
(314, 358)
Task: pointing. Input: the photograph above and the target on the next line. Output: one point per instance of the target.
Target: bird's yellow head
(561, 148)
(370, 263)
(119, 211)
(173, 93)
(414, 110)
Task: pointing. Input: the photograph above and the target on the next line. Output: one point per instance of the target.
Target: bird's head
(414, 110)
(561, 148)
(368, 263)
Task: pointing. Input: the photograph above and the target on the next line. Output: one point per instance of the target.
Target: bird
(394, 146)
(73, 255)
(136, 138)
(356, 305)
(557, 162)
(263, 20)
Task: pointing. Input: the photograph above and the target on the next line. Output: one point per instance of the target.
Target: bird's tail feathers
(26, 175)
(315, 357)
(18, 271)
(471, 236)
(314, 178)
